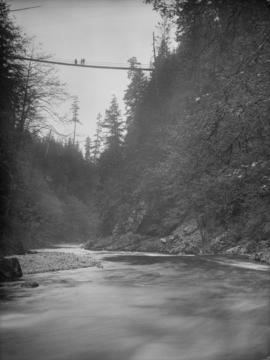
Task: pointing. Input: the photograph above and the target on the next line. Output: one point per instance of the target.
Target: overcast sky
(101, 31)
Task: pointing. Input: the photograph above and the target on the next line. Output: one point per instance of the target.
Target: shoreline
(50, 260)
(249, 257)
(46, 261)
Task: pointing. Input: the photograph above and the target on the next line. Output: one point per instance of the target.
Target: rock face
(190, 237)
(132, 221)
(186, 239)
(10, 269)
(236, 250)
(263, 257)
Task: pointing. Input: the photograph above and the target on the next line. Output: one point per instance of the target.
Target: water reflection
(140, 308)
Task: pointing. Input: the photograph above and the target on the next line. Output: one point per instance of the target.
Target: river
(140, 307)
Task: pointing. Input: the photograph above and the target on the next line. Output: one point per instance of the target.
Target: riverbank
(184, 241)
(45, 261)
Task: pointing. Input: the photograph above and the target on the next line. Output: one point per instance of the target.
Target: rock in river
(10, 269)
(30, 284)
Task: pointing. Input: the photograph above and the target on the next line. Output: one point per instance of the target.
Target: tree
(113, 127)
(200, 131)
(75, 116)
(11, 44)
(96, 148)
(28, 94)
(109, 166)
(41, 91)
(45, 185)
(135, 91)
(219, 106)
(87, 148)
(164, 28)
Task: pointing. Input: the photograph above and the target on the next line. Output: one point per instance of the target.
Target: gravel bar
(54, 261)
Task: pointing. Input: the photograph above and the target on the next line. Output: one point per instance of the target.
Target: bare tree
(41, 91)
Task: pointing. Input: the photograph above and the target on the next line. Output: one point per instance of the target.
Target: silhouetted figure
(76, 61)
(82, 61)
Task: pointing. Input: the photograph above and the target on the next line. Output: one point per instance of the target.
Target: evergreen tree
(135, 91)
(113, 127)
(96, 148)
(87, 149)
(164, 28)
(75, 116)
(200, 132)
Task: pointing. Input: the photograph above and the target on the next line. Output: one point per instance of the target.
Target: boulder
(10, 269)
(236, 250)
(186, 239)
(263, 256)
(30, 284)
(190, 227)
(220, 243)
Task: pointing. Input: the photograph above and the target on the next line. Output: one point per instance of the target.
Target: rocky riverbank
(39, 262)
(186, 239)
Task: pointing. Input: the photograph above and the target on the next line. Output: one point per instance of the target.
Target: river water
(140, 307)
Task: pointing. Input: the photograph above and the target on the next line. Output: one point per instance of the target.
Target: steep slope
(197, 148)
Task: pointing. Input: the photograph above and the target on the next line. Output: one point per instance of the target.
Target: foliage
(75, 117)
(195, 144)
(46, 185)
(11, 44)
(135, 91)
(50, 203)
(40, 93)
(87, 148)
(198, 132)
(97, 143)
(112, 126)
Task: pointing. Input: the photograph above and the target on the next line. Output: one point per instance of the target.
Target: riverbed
(140, 307)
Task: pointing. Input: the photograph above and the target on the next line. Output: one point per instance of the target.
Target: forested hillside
(197, 150)
(185, 169)
(46, 183)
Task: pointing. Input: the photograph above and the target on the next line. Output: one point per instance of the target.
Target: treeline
(46, 183)
(197, 142)
(52, 197)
